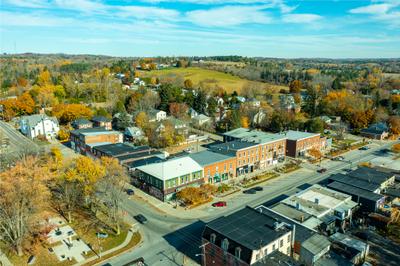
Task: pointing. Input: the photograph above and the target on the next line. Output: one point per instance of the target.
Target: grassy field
(213, 78)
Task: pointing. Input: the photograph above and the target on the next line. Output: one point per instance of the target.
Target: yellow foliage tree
(245, 122)
(396, 148)
(315, 153)
(141, 120)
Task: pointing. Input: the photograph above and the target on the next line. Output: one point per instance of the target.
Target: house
(254, 102)
(81, 123)
(156, 115)
(379, 131)
(163, 179)
(355, 250)
(216, 167)
(326, 119)
(179, 125)
(201, 120)
(299, 142)
(220, 101)
(245, 237)
(101, 121)
(133, 134)
(288, 103)
(329, 208)
(259, 117)
(83, 140)
(39, 125)
(193, 113)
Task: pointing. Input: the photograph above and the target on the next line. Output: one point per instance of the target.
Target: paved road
(18, 142)
(168, 238)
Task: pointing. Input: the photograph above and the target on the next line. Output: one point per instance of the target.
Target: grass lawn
(211, 77)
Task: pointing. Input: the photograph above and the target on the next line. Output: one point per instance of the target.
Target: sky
(265, 28)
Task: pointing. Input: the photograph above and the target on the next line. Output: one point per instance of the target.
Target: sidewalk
(4, 261)
(122, 245)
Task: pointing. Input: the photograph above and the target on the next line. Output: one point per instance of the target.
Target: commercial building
(379, 131)
(253, 149)
(383, 179)
(355, 250)
(217, 167)
(83, 140)
(299, 143)
(163, 179)
(355, 182)
(34, 126)
(329, 208)
(245, 238)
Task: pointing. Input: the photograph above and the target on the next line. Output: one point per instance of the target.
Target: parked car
(322, 170)
(250, 191)
(258, 188)
(338, 158)
(140, 218)
(130, 192)
(365, 148)
(219, 204)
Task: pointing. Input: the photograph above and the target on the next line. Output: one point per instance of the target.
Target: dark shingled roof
(100, 119)
(117, 149)
(355, 182)
(370, 175)
(354, 191)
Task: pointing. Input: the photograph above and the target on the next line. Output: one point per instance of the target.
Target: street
(170, 240)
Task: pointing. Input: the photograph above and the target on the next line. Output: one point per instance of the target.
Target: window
(273, 247)
(281, 244)
(257, 256)
(238, 250)
(288, 238)
(225, 244)
(265, 251)
(212, 238)
(288, 251)
(208, 172)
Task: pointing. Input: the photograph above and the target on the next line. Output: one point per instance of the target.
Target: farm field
(212, 78)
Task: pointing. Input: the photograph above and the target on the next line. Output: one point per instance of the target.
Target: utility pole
(204, 253)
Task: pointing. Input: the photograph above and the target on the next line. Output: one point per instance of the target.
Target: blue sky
(270, 28)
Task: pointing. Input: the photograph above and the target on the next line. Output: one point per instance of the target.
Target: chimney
(316, 200)
(297, 206)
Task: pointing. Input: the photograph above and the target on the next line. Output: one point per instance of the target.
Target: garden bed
(289, 168)
(258, 179)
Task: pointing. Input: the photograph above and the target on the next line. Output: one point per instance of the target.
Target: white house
(157, 115)
(35, 125)
(201, 120)
(193, 113)
(220, 101)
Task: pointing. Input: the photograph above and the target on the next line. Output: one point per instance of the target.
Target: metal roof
(256, 136)
(371, 175)
(355, 182)
(297, 135)
(316, 244)
(355, 191)
(206, 157)
(171, 168)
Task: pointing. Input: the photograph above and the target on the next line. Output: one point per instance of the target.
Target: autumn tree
(295, 86)
(396, 148)
(142, 120)
(23, 197)
(315, 153)
(113, 185)
(188, 83)
(66, 113)
(394, 123)
(179, 110)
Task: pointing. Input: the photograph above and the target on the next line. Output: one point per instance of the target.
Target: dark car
(365, 148)
(140, 218)
(219, 204)
(130, 192)
(250, 191)
(258, 188)
(322, 170)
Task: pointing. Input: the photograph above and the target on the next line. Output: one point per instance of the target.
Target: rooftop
(171, 168)
(81, 121)
(355, 182)
(254, 135)
(298, 135)
(100, 118)
(355, 191)
(232, 146)
(249, 227)
(117, 149)
(377, 128)
(348, 241)
(371, 175)
(33, 120)
(316, 244)
(145, 161)
(88, 130)
(291, 212)
(207, 157)
(277, 258)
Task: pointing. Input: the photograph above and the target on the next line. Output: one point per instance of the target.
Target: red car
(219, 204)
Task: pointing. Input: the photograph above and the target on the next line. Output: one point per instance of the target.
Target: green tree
(315, 125)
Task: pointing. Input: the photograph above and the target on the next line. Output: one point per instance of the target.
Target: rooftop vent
(316, 200)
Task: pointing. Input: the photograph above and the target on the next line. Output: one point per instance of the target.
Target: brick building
(101, 121)
(216, 167)
(83, 140)
(298, 142)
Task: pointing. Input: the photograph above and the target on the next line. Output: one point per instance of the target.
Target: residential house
(326, 119)
(81, 123)
(39, 125)
(379, 131)
(156, 115)
(254, 102)
(220, 101)
(288, 103)
(216, 167)
(259, 117)
(201, 120)
(133, 133)
(83, 140)
(193, 113)
(101, 121)
(179, 125)
(299, 143)
(163, 179)
(245, 237)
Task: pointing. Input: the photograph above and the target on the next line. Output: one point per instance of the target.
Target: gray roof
(232, 146)
(316, 244)
(81, 121)
(100, 118)
(298, 135)
(371, 175)
(33, 120)
(256, 136)
(206, 157)
(355, 182)
(354, 191)
(249, 228)
(201, 117)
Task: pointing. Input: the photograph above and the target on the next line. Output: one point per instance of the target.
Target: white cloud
(146, 12)
(81, 5)
(371, 9)
(28, 3)
(228, 16)
(300, 18)
(32, 20)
